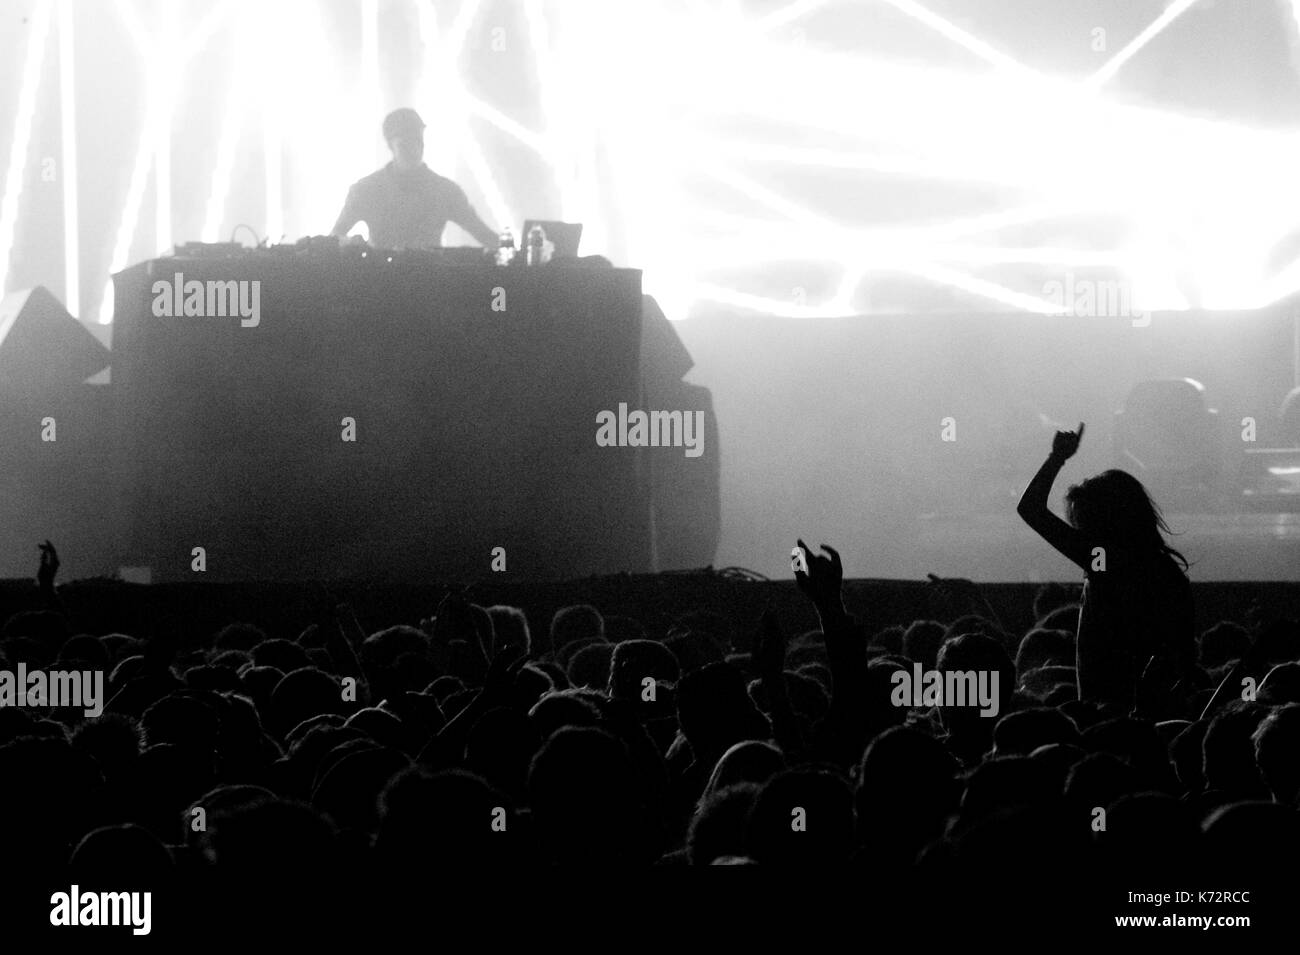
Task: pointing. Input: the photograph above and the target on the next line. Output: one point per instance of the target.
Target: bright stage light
(22, 135)
(693, 139)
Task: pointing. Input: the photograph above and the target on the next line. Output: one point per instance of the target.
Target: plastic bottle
(536, 243)
(505, 247)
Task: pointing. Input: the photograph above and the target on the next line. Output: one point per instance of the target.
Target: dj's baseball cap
(404, 120)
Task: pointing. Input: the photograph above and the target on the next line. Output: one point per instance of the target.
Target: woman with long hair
(1136, 618)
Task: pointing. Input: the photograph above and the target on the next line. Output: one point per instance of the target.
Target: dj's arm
(349, 217)
(484, 234)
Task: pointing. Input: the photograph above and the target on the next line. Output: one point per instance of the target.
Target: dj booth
(393, 416)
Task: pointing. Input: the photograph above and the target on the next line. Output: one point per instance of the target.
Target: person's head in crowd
(182, 720)
(1136, 742)
(284, 655)
(269, 837)
(889, 639)
(1045, 648)
(635, 661)
(208, 677)
(717, 829)
(1222, 643)
(444, 686)
(82, 652)
(48, 798)
(1053, 596)
(1115, 510)
(586, 807)
(590, 666)
(562, 708)
(807, 647)
(879, 711)
(500, 748)
(485, 628)
(1151, 834)
(749, 761)
(1281, 685)
(921, 642)
(456, 619)
(309, 753)
(1228, 753)
(906, 789)
(808, 699)
(113, 741)
(238, 636)
(972, 623)
(385, 728)
(425, 823)
(380, 653)
(509, 629)
(562, 656)
(1005, 782)
(1041, 683)
(985, 657)
(801, 817)
(532, 682)
(706, 625)
(1022, 732)
(345, 792)
(1098, 780)
(301, 694)
(235, 660)
(258, 683)
(1251, 839)
(693, 651)
(714, 711)
(1058, 759)
(120, 645)
(1065, 618)
(126, 669)
(1277, 753)
(121, 856)
(578, 622)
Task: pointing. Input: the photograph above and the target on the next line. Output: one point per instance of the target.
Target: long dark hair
(1114, 507)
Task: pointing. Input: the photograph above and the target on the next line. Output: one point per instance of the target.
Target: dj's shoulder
(376, 180)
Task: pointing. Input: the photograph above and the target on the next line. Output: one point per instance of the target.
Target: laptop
(563, 235)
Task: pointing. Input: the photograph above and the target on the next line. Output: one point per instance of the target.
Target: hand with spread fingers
(822, 581)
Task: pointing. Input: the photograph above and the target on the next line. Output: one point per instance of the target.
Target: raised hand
(824, 577)
(49, 566)
(1065, 443)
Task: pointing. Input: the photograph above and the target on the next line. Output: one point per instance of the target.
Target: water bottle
(505, 246)
(536, 242)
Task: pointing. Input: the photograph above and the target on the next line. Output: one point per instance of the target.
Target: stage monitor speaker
(42, 347)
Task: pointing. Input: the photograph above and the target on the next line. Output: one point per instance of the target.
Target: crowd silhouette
(481, 739)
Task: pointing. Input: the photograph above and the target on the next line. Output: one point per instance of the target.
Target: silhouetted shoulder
(372, 182)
